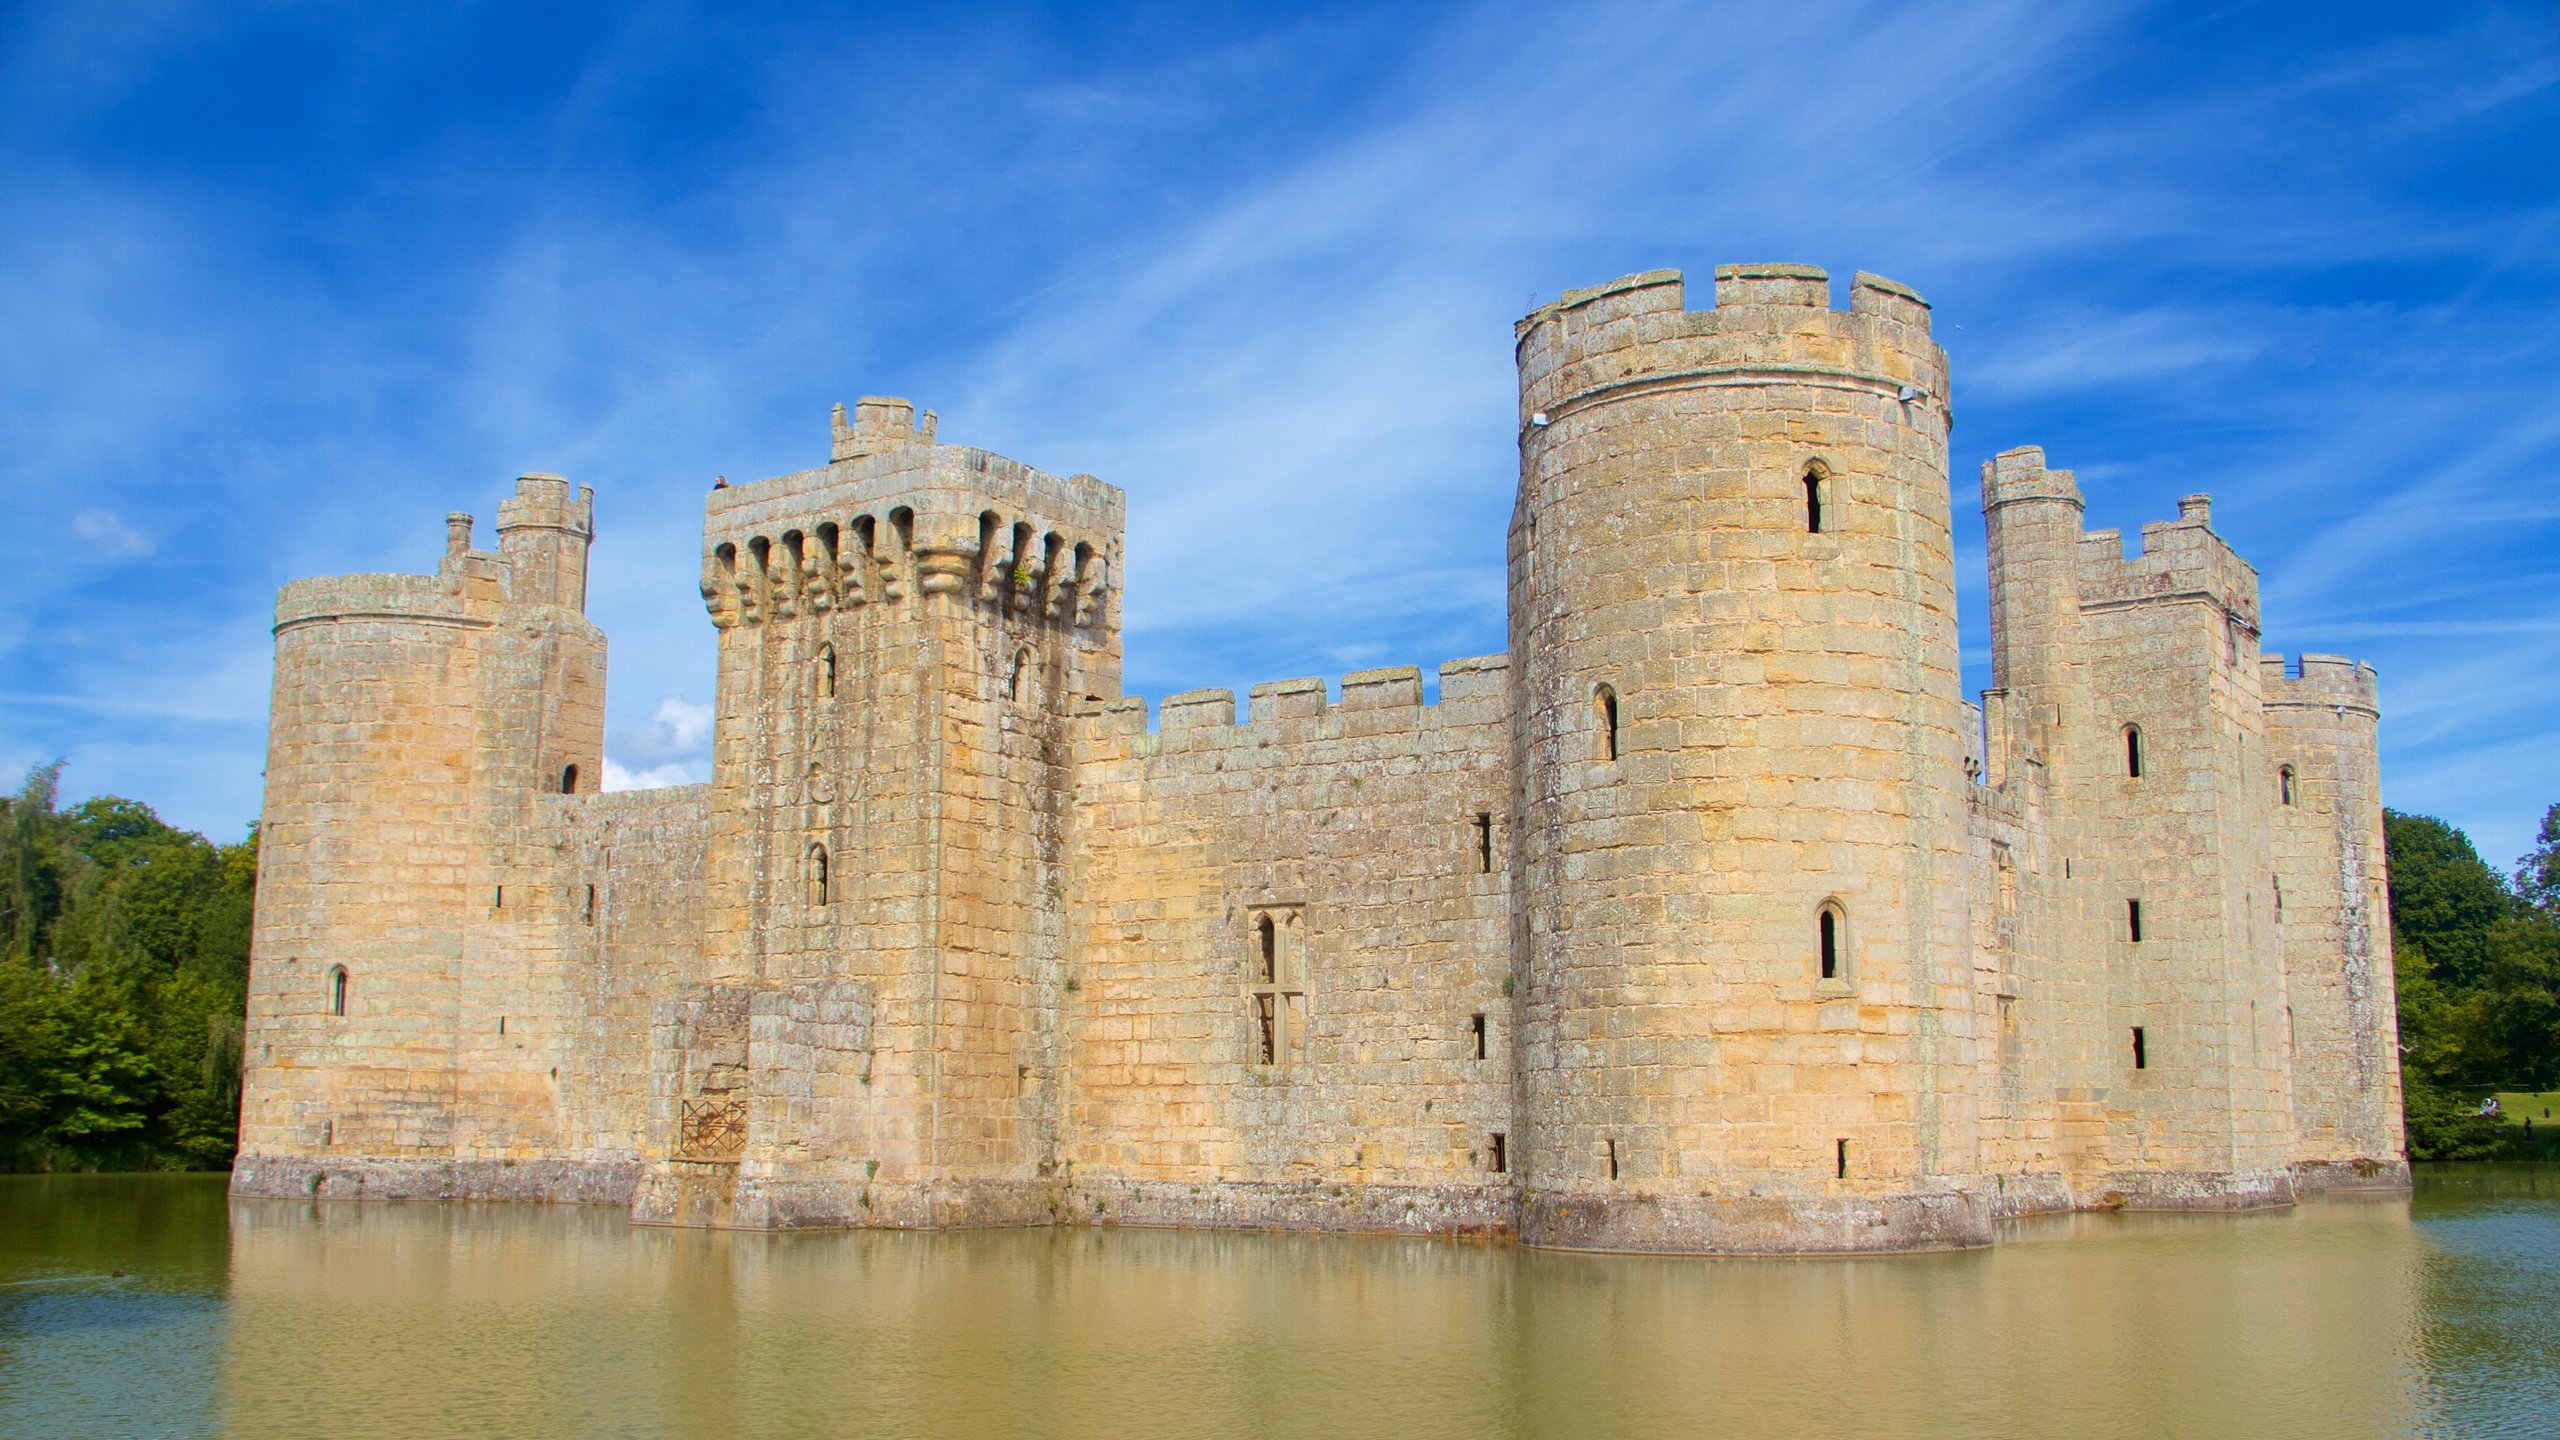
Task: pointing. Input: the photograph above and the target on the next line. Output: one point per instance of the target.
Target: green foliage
(2479, 976)
(124, 964)
(2443, 895)
(2538, 873)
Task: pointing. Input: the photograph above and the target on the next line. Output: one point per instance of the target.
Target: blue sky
(282, 284)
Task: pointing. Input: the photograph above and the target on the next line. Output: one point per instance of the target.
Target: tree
(2443, 895)
(124, 949)
(2538, 873)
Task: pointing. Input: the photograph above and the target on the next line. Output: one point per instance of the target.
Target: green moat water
(2437, 1314)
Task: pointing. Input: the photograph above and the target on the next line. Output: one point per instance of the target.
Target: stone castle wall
(1289, 943)
(1709, 918)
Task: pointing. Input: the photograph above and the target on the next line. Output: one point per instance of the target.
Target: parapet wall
(1332, 1079)
(896, 515)
(1770, 322)
(2320, 681)
(2180, 559)
(428, 598)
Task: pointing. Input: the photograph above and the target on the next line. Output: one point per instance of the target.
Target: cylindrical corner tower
(364, 844)
(2332, 907)
(1742, 937)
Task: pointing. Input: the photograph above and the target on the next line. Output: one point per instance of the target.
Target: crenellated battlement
(880, 423)
(2320, 682)
(543, 533)
(2181, 559)
(2017, 476)
(1472, 691)
(896, 514)
(1770, 324)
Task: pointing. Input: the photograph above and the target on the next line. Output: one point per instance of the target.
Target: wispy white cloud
(1261, 276)
(109, 536)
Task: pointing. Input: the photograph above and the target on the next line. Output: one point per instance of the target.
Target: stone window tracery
(1276, 989)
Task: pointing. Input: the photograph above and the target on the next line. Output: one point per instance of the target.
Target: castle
(1709, 918)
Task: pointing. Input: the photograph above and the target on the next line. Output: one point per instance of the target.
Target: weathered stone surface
(955, 936)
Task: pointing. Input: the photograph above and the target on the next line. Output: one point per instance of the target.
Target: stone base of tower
(1951, 1219)
(314, 1177)
(717, 1196)
(2016, 1197)
(2189, 1190)
(1332, 1204)
(730, 1197)
(2318, 1177)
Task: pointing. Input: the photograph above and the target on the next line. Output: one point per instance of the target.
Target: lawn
(2542, 1107)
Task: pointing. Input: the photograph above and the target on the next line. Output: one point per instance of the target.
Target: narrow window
(1604, 710)
(2133, 921)
(1479, 1034)
(824, 672)
(1612, 1147)
(2141, 1053)
(502, 1024)
(1840, 1159)
(1275, 993)
(2284, 784)
(1484, 842)
(337, 989)
(1501, 1153)
(569, 780)
(2133, 751)
(1831, 944)
(1021, 671)
(1813, 502)
(817, 865)
(591, 904)
(499, 902)
(328, 1136)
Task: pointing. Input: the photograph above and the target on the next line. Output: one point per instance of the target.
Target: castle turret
(2034, 515)
(904, 634)
(2333, 911)
(2146, 982)
(414, 716)
(1744, 1013)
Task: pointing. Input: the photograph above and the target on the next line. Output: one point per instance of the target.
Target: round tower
(413, 716)
(364, 842)
(1742, 940)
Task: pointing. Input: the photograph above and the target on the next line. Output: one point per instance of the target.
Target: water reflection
(2339, 1318)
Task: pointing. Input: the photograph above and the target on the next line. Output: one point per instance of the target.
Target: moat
(2429, 1314)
